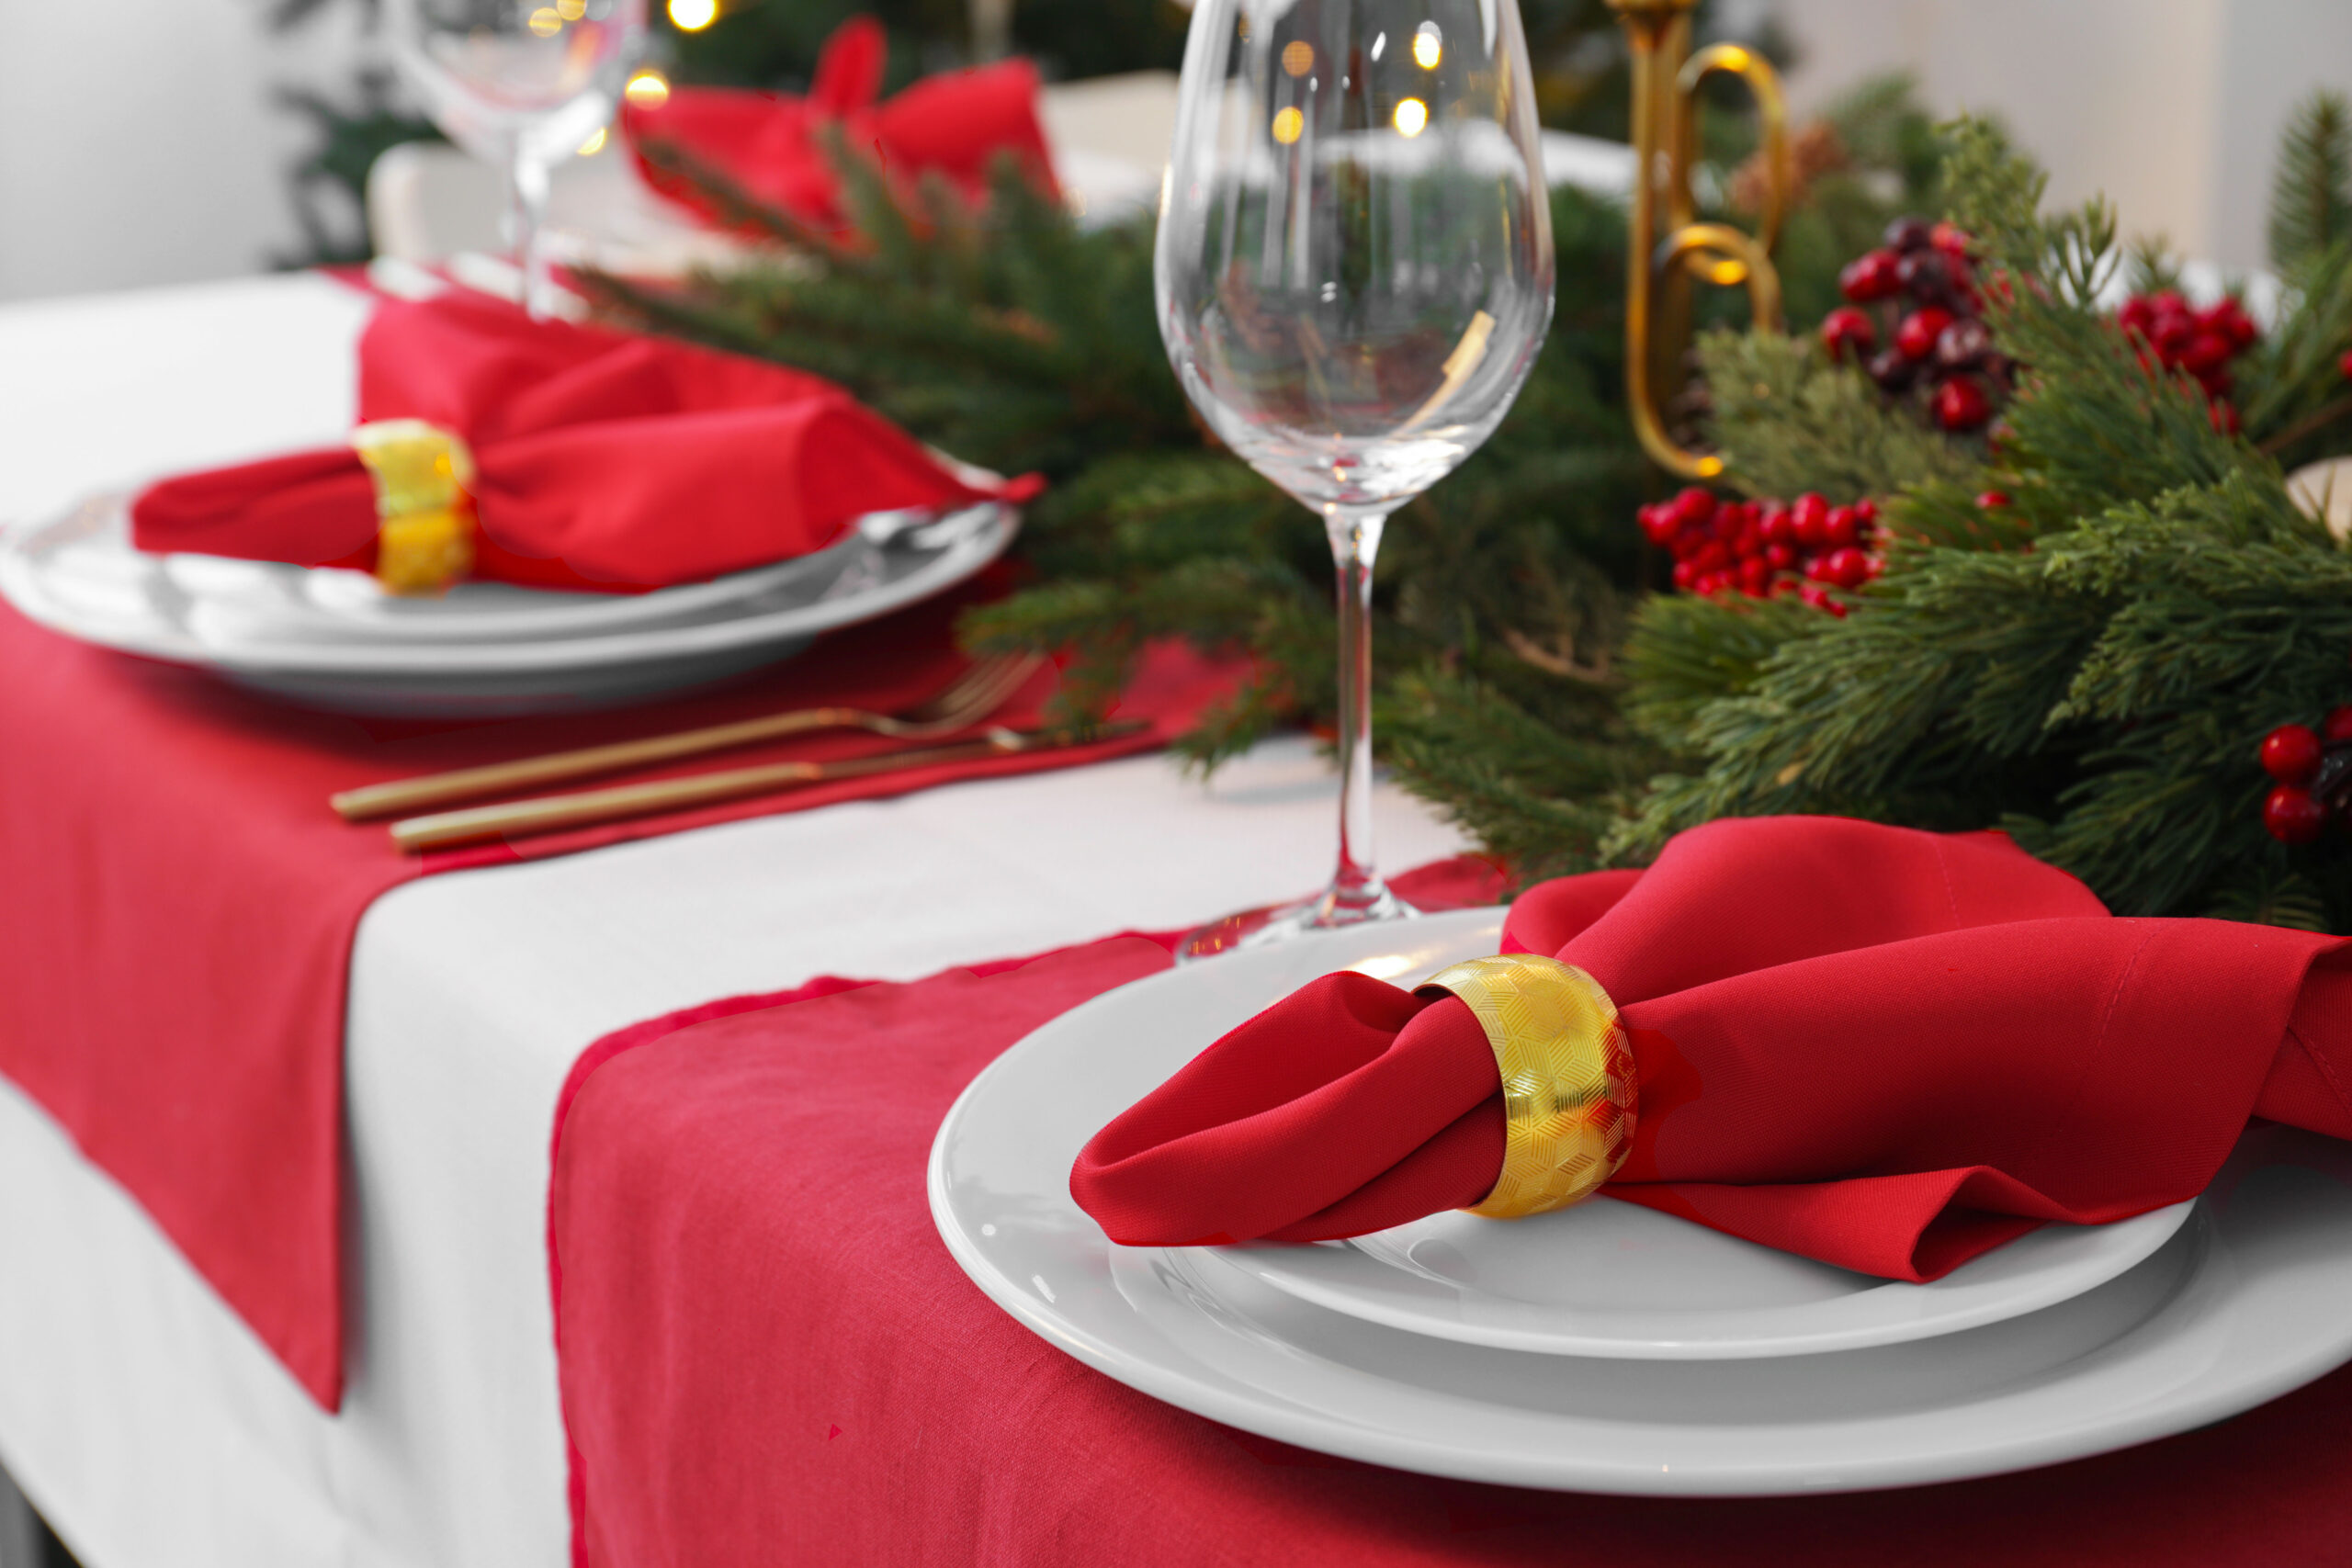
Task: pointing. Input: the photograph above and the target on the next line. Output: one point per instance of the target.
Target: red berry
(1693, 507)
(1867, 510)
(2344, 365)
(2338, 725)
(1847, 331)
(1848, 568)
(2293, 816)
(2291, 753)
(1869, 275)
(1754, 573)
(1685, 574)
(1776, 526)
(1992, 500)
(1657, 523)
(1842, 527)
(1916, 334)
(1950, 239)
(2209, 350)
(1835, 608)
(1784, 557)
(2222, 416)
(1961, 403)
(1810, 518)
(1713, 555)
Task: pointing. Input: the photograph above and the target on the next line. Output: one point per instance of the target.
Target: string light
(593, 145)
(648, 89)
(1428, 46)
(545, 22)
(693, 16)
(572, 10)
(1411, 116)
(1299, 57)
(1289, 125)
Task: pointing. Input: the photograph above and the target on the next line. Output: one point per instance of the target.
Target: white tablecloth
(137, 1412)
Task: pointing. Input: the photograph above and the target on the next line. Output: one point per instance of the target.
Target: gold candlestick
(1667, 248)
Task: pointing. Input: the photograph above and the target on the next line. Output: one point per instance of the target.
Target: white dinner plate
(1609, 1279)
(2241, 1303)
(78, 574)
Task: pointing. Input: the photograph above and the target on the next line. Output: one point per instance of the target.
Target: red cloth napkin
(177, 905)
(608, 461)
(1885, 1049)
(766, 1355)
(954, 126)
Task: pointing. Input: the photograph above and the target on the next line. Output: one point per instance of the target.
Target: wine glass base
(1276, 923)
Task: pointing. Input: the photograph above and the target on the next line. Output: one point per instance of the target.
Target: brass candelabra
(1669, 249)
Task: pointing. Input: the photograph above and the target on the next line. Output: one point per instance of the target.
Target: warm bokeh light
(1411, 116)
(648, 90)
(1429, 47)
(1289, 125)
(593, 145)
(545, 22)
(572, 10)
(693, 16)
(1299, 57)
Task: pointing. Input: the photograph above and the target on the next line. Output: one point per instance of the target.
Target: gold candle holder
(1667, 248)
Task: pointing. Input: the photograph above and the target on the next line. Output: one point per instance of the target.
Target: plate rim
(960, 561)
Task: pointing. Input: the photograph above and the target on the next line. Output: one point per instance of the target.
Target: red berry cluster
(2313, 768)
(1766, 548)
(2200, 342)
(1924, 287)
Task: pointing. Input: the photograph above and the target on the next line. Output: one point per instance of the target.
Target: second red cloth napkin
(1885, 1049)
(954, 126)
(608, 461)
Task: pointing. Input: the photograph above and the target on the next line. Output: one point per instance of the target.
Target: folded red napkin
(606, 461)
(774, 146)
(1885, 1049)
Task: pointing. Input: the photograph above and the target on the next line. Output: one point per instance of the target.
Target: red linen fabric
(608, 461)
(1887, 1049)
(177, 905)
(768, 1357)
(953, 127)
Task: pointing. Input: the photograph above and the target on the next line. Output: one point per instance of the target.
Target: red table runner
(179, 907)
(768, 1356)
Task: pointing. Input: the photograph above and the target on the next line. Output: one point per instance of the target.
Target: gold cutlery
(584, 809)
(965, 701)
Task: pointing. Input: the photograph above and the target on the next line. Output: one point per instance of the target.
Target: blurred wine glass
(520, 84)
(1355, 273)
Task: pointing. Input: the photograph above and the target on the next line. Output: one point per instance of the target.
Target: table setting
(603, 961)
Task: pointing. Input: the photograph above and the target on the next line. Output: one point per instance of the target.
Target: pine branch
(2310, 194)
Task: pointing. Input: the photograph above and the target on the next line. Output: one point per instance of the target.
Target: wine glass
(1354, 276)
(520, 84)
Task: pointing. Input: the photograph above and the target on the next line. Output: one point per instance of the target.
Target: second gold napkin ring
(1569, 1085)
(425, 514)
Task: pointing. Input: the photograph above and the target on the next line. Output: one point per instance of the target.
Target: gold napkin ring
(424, 516)
(1569, 1083)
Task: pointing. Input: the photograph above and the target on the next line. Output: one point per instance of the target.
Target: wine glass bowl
(1354, 276)
(519, 83)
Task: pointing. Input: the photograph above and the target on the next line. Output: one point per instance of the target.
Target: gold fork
(970, 697)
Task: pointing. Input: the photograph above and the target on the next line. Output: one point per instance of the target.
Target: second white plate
(1616, 1280)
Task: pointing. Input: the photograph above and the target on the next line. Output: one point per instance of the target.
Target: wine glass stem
(526, 211)
(1356, 542)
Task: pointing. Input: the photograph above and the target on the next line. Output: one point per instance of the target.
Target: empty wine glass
(1355, 273)
(520, 84)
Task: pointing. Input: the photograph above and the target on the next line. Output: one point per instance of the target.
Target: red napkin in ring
(606, 461)
(772, 145)
(1885, 1049)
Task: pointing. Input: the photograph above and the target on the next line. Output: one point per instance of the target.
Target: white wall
(138, 142)
(2172, 108)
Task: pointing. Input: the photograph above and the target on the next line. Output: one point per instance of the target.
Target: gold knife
(584, 809)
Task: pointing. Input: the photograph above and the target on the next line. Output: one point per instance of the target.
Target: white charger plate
(1609, 1279)
(2242, 1303)
(79, 575)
